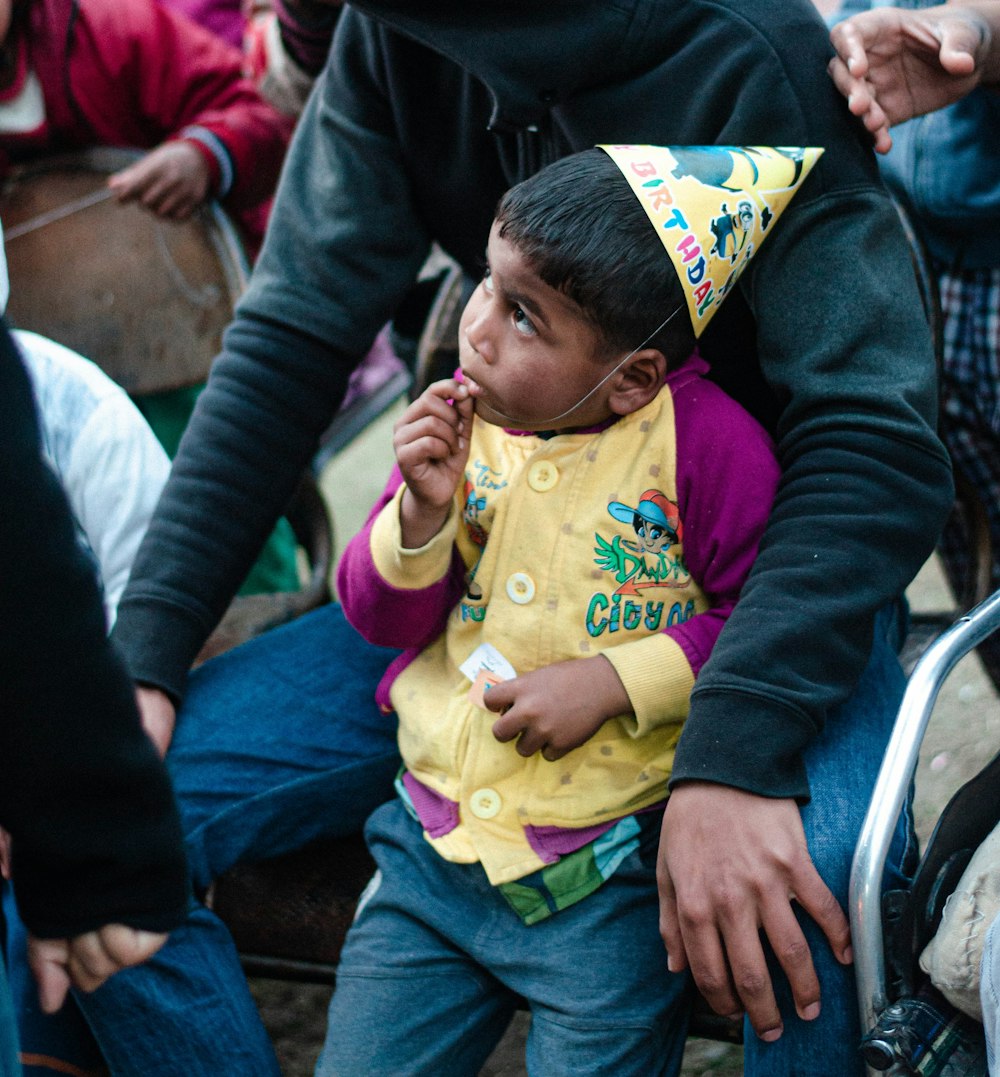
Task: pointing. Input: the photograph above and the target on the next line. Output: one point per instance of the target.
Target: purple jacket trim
(438, 814)
(552, 842)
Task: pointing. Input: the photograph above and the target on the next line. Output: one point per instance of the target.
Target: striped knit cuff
(216, 149)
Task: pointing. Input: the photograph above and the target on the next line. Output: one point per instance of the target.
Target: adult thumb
(964, 42)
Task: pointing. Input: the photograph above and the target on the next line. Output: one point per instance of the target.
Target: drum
(144, 298)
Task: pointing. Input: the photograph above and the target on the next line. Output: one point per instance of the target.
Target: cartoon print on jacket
(647, 562)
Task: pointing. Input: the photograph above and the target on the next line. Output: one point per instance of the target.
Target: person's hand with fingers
(730, 866)
(86, 961)
(431, 444)
(893, 63)
(557, 708)
(170, 181)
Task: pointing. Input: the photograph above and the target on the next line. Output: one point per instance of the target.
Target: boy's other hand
(87, 960)
(730, 865)
(431, 443)
(557, 708)
(170, 181)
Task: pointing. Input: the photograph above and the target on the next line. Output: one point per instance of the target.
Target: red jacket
(135, 74)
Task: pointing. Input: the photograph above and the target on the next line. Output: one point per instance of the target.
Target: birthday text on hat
(659, 203)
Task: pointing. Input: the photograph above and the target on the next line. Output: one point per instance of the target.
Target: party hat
(712, 207)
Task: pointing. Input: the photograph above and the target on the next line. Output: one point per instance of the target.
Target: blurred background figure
(84, 73)
(105, 73)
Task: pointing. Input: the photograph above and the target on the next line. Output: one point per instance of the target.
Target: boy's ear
(638, 381)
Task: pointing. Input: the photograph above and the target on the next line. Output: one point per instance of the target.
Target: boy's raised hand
(557, 708)
(431, 443)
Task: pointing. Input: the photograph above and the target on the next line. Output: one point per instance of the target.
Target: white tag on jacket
(487, 657)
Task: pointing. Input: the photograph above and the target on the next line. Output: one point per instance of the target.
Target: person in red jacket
(78, 73)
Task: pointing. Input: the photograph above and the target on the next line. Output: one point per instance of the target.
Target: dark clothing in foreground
(96, 837)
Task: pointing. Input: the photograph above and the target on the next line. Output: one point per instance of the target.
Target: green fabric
(573, 877)
(276, 568)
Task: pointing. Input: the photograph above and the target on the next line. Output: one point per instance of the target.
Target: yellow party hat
(712, 207)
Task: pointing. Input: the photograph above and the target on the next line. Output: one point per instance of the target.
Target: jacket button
(485, 803)
(542, 476)
(520, 588)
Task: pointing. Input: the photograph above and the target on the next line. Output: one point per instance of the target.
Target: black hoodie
(426, 112)
(96, 835)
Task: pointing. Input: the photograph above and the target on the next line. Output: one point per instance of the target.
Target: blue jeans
(842, 764)
(280, 742)
(9, 1066)
(436, 960)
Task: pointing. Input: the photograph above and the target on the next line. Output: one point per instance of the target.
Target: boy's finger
(447, 389)
(529, 743)
(498, 697)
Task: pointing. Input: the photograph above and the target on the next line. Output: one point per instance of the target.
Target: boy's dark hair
(584, 232)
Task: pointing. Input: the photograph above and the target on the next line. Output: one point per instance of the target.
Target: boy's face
(530, 349)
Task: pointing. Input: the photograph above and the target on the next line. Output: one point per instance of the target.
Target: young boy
(569, 524)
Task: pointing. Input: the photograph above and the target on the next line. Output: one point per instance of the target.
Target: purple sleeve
(727, 474)
(385, 615)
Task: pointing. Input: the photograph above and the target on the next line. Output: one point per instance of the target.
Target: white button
(485, 803)
(520, 588)
(542, 475)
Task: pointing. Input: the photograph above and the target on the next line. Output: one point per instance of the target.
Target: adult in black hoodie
(425, 113)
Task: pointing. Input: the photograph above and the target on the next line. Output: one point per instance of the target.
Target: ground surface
(964, 733)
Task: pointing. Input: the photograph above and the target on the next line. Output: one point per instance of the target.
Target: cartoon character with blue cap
(656, 521)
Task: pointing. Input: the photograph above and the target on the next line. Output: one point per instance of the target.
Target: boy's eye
(523, 323)
(487, 280)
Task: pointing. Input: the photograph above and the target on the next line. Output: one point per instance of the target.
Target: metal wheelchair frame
(889, 795)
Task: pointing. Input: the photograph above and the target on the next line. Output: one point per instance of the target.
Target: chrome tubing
(898, 767)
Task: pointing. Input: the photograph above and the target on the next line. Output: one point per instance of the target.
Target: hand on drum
(170, 181)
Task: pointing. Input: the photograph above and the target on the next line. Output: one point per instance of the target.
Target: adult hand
(87, 960)
(894, 63)
(170, 181)
(158, 714)
(730, 865)
(557, 708)
(431, 443)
